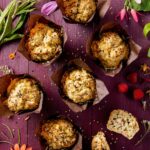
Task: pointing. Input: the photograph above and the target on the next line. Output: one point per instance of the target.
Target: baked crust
(59, 134)
(110, 49)
(79, 85)
(44, 43)
(23, 94)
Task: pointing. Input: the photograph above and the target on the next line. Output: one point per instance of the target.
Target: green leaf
(25, 11)
(144, 6)
(13, 37)
(146, 29)
(148, 54)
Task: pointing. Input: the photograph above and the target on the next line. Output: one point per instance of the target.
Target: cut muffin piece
(124, 123)
(44, 42)
(99, 142)
(80, 11)
(110, 49)
(59, 134)
(79, 85)
(23, 94)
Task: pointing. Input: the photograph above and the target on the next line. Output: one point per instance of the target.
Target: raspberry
(138, 94)
(133, 77)
(123, 88)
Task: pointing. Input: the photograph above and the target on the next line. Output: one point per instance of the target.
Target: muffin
(99, 142)
(78, 85)
(110, 50)
(59, 134)
(23, 94)
(80, 11)
(44, 43)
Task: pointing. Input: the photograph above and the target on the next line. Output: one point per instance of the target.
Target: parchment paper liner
(101, 89)
(102, 8)
(133, 47)
(33, 19)
(78, 144)
(5, 82)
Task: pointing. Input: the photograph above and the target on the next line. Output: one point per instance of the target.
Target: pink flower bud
(122, 13)
(134, 15)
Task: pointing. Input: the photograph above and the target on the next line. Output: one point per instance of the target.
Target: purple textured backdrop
(94, 118)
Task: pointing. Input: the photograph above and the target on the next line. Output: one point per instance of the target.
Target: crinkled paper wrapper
(78, 144)
(101, 89)
(5, 82)
(102, 8)
(133, 47)
(33, 19)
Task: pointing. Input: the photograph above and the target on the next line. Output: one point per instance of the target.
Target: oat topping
(99, 142)
(79, 85)
(123, 123)
(44, 43)
(59, 134)
(110, 50)
(79, 10)
(23, 94)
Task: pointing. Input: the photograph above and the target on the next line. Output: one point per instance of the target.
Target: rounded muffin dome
(79, 85)
(44, 43)
(59, 134)
(23, 94)
(79, 10)
(110, 50)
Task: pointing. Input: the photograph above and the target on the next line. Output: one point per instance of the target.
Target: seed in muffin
(59, 134)
(80, 11)
(44, 43)
(79, 85)
(23, 94)
(110, 49)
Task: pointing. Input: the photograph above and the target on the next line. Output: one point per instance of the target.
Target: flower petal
(16, 147)
(23, 147)
(29, 148)
(134, 15)
(138, 1)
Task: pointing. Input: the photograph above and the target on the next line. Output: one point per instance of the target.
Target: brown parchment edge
(133, 47)
(32, 20)
(101, 89)
(5, 82)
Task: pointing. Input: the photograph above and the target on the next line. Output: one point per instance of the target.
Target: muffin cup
(133, 47)
(102, 8)
(78, 143)
(33, 19)
(101, 89)
(5, 82)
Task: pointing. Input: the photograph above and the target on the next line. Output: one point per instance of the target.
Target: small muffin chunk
(59, 134)
(99, 142)
(79, 10)
(110, 50)
(79, 85)
(23, 94)
(124, 123)
(44, 43)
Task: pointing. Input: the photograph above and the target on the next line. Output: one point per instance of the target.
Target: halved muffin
(80, 11)
(99, 142)
(78, 85)
(110, 50)
(59, 134)
(44, 42)
(23, 94)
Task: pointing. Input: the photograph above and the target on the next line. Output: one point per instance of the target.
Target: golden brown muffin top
(59, 134)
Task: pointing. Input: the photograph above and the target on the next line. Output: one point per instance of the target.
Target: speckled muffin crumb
(24, 94)
(99, 142)
(110, 50)
(59, 134)
(79, 85)
(44, 43)
(79, 10)
(124, 123)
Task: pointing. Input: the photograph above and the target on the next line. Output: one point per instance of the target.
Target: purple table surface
(94, 118)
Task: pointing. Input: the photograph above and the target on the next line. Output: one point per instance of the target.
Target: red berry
(138, 94)
(133, 77)
(123, 88)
